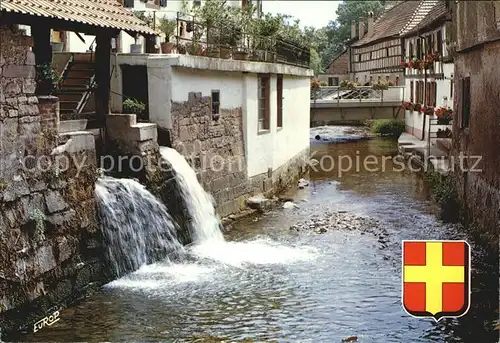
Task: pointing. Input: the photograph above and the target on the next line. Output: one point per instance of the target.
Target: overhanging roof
(108, 14)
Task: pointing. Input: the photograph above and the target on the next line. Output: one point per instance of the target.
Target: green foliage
(389, 127)
(443, 190)
(142, 15)
(133, 106)
(39, 218)
(47, 79)
(315, 62)
(168, 27)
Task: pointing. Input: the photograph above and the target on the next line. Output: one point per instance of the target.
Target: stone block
(44, 260)
(32, 100)
(61, 218)
(36, 201)
(66, 248)
(54, 201)
(13, 87)
(16, 188)
(19, 71)
(143, 132)
(13, 113)
(30, 58)
(29, 86)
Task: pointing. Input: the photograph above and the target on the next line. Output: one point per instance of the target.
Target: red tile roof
(438, 12)
(339, 65)
(392, 22)
(101, 13)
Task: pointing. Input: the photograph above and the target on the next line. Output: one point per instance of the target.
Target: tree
(315, 62)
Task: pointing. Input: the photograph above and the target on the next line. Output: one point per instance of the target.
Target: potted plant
(417, 107)
(47, 79)
(444, 115)
(168, 28)
(380, 86)
(428, 111)
(347, 85)
(443, 133)
(133, 106)
(315, 85)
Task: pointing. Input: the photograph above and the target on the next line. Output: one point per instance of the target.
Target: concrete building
(253, 117)
(476, 42)
(376, 56)
(431, 87)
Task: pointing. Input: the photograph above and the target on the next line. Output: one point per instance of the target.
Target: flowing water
(136, 226)
(265, 282)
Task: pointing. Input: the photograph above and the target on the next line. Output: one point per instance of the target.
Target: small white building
(252, 116)
(432, 87)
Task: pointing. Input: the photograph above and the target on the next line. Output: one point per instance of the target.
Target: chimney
(370, 24)
(353, 29)
(361, 28)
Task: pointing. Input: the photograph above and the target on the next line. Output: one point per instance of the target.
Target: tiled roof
(438, 12)
(399, 19)
(100, 13)
(339, 65)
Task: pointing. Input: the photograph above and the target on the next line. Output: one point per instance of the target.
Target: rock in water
(259, 202)
(350, 339)
(303, 183)
(289, 205)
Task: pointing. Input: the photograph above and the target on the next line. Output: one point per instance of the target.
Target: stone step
(71, 105)
(143, 131)
(86, 73)
(76, 81)
(66, 126)
(76, 96)
(80, 65)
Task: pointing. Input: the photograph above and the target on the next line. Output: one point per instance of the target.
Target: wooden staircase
(76, 88)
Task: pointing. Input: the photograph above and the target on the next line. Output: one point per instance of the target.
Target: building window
(411, 91)
(196, 2)
(451, 86)
(264, 83)
(279, 99)
(465, 102)
(410, 53)
(163, 3)
(215, 104)
(128, 3)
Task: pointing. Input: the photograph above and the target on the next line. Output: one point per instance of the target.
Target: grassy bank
(388, 127)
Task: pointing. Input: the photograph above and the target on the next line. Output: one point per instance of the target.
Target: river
(272, 283)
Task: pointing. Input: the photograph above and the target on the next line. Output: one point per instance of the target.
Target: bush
(445, 194)
(389, 127)
(133, 106)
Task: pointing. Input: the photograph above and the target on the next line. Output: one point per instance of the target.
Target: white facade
(172, 77)
(417, 123)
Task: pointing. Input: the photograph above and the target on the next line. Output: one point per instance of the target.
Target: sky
(310, 13)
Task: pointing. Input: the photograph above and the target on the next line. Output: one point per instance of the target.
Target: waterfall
(136, 226)
(205, 225)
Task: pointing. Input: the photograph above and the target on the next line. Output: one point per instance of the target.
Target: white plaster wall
(230, 85)
(293, 138)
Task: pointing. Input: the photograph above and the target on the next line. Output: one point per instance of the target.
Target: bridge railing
(338, 94)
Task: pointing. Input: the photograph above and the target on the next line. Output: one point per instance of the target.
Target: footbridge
(334, 105)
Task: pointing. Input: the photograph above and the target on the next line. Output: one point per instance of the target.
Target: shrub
(445, 194)
(389, 127)
(133, 106)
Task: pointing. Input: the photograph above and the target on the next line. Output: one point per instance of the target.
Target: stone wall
(215, 149)
(49, 238)
(479, 191)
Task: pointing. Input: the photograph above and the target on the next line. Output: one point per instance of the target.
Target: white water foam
(257, 252)
(205, 221)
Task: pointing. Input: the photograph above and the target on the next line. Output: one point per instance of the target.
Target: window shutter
(411, 91)
(440, 42)
(163, 3)
(466, 102)
(128, 3)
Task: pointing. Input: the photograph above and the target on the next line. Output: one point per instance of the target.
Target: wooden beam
(102, 77)
(41, 44)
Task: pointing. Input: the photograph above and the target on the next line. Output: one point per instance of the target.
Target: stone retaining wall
(49, 238)
(215, 149)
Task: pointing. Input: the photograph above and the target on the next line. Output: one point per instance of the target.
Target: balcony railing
(194, 38)
(336, 94)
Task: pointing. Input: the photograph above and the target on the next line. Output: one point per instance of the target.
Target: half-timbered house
(376, 56)
(428, 71)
